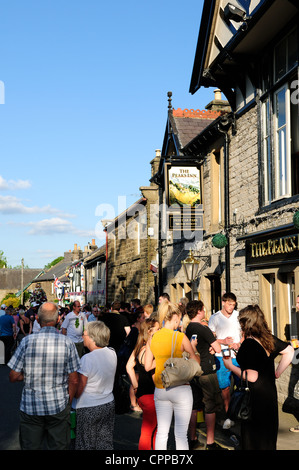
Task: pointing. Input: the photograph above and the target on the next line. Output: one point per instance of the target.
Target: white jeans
(177, 400)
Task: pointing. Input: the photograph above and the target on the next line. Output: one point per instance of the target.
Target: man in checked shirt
(47, 362)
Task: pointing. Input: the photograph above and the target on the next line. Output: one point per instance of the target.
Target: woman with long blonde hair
(176, 400)
(256, 356)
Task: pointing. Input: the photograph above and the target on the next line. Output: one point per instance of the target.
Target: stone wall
(246, 216)
(129, 259)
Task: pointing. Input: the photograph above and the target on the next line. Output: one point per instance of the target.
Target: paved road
(127, 427)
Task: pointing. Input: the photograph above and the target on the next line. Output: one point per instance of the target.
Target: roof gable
(58, 270)
(189, 123)
(230, 35)
(183, 126)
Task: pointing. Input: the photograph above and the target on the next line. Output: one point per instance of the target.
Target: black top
(26, 326)
(205, 338)
(146, 384)
(116, 322)
(261, 432)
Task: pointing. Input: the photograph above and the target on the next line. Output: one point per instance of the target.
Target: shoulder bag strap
(244, 381)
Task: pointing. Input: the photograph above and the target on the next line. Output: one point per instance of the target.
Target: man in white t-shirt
(226, 327)
(73, 326)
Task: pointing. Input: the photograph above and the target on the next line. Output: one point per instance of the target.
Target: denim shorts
(223, 374)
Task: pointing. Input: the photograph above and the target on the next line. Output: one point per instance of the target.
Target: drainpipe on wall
(223, 127)
(160, 259)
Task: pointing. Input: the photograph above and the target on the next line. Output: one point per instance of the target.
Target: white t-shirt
(74, 325)
(99, 367)
(224, 326)
(36, 327)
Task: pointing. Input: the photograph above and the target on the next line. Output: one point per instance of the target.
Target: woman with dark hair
(25, 326)
(256, 356)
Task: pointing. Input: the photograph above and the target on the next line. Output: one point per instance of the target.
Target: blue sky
(85, 109)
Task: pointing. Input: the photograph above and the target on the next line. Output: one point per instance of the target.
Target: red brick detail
(196, 113)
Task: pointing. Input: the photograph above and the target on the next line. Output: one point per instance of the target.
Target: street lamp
(191, 266)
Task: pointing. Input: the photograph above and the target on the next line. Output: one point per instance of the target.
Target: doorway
(215, 284)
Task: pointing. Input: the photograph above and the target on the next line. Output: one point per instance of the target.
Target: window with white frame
(99, 271)
(280, 119)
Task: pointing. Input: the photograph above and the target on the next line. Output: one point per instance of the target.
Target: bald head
(48, 314)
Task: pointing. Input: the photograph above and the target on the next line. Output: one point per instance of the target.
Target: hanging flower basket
(219, 240)
(296, 220)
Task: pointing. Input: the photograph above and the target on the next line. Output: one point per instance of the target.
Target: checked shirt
(46, 359)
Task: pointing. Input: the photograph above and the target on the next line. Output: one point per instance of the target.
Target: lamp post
(192, 265)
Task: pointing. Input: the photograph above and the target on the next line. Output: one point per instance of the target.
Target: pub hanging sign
(183, 186)
(183, 199)
(272, 248)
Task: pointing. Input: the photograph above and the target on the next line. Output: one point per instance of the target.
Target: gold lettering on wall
(270, 247)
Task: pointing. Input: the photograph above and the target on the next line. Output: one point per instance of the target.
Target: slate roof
(58, 271)
(98, 253)
(188, 123)
(10, 279)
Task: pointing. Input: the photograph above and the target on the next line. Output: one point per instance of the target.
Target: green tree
(55, 261)
(3, 260)
(19, 266)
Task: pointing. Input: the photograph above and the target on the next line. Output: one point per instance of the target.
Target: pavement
(128, 425)
(230, 439)
(227, 439)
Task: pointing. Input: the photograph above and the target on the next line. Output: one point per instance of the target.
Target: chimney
(155, 163)
(68, 257)
(217, 95)
(218, 104)
(93, 245)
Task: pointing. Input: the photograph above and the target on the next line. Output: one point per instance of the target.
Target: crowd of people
(77, 363)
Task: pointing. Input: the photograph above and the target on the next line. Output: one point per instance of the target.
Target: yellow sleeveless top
(161, 349)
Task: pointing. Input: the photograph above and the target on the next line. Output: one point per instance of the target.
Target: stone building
(261, 145)
(182, 195)
(95, 277)
(132, 255)
(249, 50)
(58, 271)
(70, 274)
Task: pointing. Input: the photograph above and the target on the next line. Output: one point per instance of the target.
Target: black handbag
(291, 403)
(240, 402)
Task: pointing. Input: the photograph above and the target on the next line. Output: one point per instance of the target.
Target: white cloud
(52, 226)
(48, 226)
(13, 205)
(12, 185)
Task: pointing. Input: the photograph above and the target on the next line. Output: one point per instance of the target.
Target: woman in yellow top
(177, 400)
